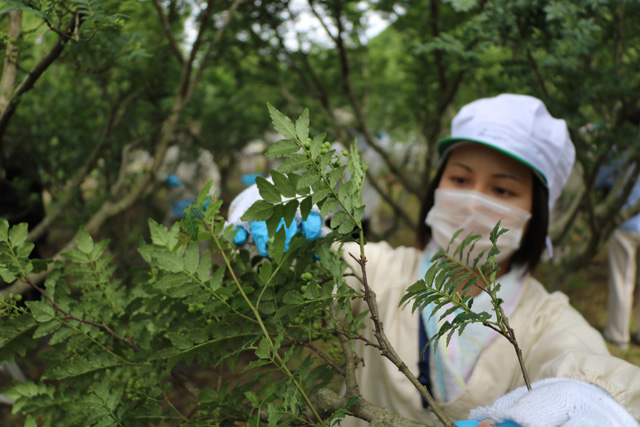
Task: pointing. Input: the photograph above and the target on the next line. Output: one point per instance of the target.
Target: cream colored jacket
(555, 339)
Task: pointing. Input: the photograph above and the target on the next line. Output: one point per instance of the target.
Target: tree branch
(387, 349)
(166, 26)
(35, 73)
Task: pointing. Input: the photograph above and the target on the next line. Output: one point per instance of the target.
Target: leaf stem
(277, 357)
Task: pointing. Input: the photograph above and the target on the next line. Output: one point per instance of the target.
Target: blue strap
(423, 364)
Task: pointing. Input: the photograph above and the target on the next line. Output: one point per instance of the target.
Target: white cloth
(623, 254)
(556, 402)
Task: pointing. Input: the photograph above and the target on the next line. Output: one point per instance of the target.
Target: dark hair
(533, 242)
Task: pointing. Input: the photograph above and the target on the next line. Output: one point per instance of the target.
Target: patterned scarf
(453, 365)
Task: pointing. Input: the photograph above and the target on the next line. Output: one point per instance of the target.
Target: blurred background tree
(87, 83)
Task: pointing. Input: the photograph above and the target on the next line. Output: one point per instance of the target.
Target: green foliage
(447, 285)
(121, 350)
(320, 181)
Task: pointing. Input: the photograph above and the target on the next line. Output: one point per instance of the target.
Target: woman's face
(485, 170)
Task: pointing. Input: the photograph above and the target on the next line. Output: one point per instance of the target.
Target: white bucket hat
(521, 127)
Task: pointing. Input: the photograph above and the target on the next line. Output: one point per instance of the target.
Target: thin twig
(387, 349)
(68, 316)
(320, 353)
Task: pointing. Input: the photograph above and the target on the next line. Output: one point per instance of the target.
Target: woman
(507, 158)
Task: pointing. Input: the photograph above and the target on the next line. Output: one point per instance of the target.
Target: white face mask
(477, 213)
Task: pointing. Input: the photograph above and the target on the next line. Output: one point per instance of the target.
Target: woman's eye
(503, 191)
(459, 180)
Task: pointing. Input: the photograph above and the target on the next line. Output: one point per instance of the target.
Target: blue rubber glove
(178, 207)
(466, 423)
(249, 179)
(311, 229)
(173, 181)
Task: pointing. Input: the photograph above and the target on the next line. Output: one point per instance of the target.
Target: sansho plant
(220, 337)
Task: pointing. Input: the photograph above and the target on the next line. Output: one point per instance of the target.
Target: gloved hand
(556, 402)
(173, 181)
(256, 231)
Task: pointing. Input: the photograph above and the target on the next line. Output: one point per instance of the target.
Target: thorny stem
(276, 356)
(387, 349)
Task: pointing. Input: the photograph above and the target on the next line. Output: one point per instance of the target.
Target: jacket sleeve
(561, 343)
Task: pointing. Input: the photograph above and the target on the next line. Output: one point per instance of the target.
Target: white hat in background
(521, 127)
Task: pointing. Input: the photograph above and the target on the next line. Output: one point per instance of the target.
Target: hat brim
(446, 144)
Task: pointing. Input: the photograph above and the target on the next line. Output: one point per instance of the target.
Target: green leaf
(276, 250)
(273, 223)
(328, 206)
(283, 184)
(282, 148)
(268, 191)
(316, 145)
(79, 365)
(293, 298)
(191, 258)
(180, 341)
(11, 328)
(305, 207)
(347, 226)
(42, 311)
(302, 125)
(30, 422)
(85, 242)
(14, 4)
(190, 224)
(264, 349)
(4, 230)
(160, 235)
(168, 261)
(281, 123)
(75, 255)
(203, 194)
(294, 163)
(46, 328)
(307, 179)
(216, 278)
(170, 281)
(290, 210)
(18, 234)
(259, 211)
(337, 218)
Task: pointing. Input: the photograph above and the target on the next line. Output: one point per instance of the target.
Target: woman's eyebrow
(462, 165)
(504, 175)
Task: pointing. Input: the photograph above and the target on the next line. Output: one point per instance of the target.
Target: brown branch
(328, 401)
(10, 68)
(68, 316)
(35, 73)
(348, 88)
(387, 349)
(212, 46)
(166, 26)
(320, 353)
